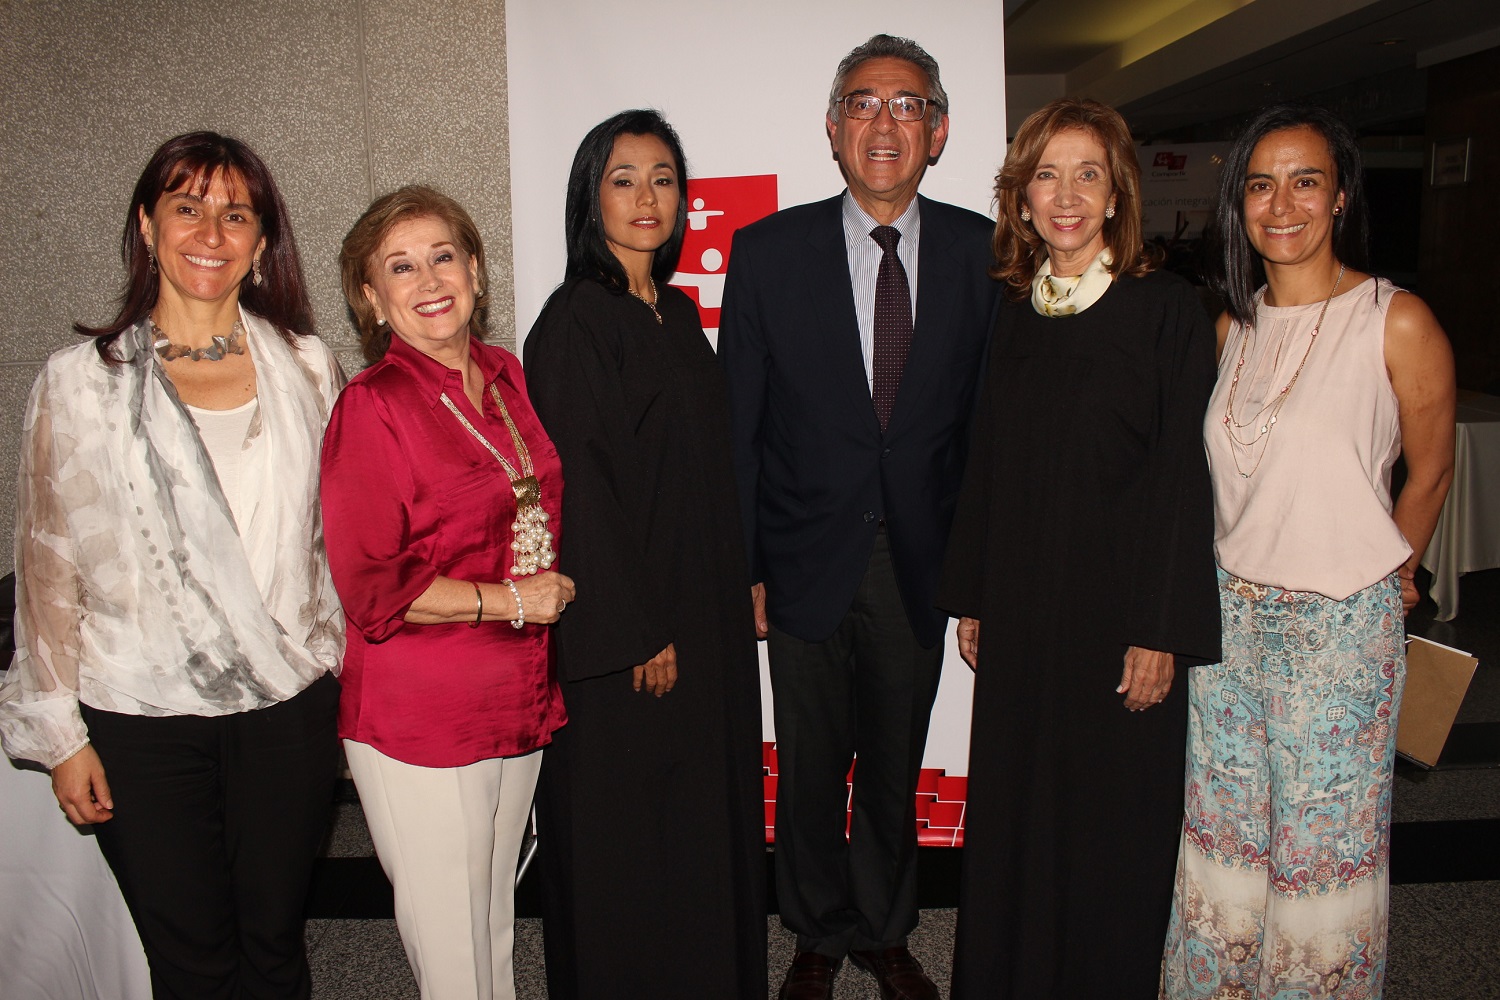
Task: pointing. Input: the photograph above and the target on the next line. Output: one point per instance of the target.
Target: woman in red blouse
(441, 496)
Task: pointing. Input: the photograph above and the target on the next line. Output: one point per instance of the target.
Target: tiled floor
(362, 959)
(1445, 936)
(1445, 945)
(1445, 942)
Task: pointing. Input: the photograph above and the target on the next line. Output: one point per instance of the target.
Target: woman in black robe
(1083, 542)
(650, 804)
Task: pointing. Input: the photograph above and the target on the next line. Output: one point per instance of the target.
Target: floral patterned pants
(1282, 874)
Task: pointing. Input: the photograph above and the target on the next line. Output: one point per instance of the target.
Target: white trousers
(449, 839)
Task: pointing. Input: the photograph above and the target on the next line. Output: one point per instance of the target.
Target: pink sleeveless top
(1315, 513)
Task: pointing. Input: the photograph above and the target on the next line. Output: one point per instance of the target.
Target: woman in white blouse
(176, 626)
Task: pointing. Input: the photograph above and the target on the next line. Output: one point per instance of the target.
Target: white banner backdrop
(746, 85)
(1179, 186)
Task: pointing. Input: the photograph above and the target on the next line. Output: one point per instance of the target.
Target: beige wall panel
(108, 82)
(15, 386)
(350, 359)
(437, 115)
(343, 100)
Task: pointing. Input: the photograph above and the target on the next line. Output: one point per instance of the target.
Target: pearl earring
(1025, 214)
(1109, 213)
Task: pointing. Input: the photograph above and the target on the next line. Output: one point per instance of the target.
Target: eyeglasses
(867, 106)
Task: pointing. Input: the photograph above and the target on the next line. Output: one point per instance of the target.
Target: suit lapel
(831, 296)
(932, 329)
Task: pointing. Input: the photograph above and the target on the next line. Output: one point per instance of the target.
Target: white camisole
(223, 434)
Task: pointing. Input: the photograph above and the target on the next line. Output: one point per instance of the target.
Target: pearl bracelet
(520, 621)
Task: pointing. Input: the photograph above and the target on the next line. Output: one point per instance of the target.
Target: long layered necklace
(1264, 420)
(531, 541)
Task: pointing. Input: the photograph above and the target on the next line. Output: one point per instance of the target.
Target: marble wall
(344, 101)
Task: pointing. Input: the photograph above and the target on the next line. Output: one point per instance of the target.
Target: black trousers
(866, 690)
(217, 822)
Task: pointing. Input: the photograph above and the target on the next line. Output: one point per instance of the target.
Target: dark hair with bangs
(1019, 251)
(357, 257)
(1232, 266)
(196, 159)
(589, 255)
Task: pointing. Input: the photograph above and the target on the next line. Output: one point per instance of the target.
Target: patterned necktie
(892, 323)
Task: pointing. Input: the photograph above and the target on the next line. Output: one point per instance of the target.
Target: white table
(1467, 537)
(64, 931)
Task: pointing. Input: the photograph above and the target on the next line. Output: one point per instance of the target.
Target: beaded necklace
(531, 543)
(1264, 427)
(650, 303)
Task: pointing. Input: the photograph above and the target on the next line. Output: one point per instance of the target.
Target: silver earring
(151, 258)
(1109, 213)
(255, 277)
(1025, 214)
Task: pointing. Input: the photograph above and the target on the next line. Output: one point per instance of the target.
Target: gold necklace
(1266, 426)
(651, 304)
(531, 542)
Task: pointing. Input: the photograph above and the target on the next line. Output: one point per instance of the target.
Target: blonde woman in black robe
(1083, 546)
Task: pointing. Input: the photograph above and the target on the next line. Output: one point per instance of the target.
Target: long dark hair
(197, 158)
(589, 255)
(1231, 264)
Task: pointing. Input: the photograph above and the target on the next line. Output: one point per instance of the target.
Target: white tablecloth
(1468, 529)
(64, 931)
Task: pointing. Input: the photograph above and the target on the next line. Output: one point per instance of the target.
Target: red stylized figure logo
(717, 206)
(1170, 161)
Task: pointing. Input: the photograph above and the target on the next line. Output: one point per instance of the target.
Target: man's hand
(758, 600)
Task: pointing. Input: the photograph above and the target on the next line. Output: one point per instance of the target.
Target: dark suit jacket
(815, 474)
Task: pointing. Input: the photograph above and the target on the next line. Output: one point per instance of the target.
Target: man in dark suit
(852, 333)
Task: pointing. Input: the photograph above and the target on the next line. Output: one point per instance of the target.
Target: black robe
(1085, 526)
(651, 816)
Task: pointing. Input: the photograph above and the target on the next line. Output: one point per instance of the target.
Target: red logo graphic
(1170, 161)
(717, 206)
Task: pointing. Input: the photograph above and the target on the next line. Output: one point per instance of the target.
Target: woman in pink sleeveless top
(1326, 375)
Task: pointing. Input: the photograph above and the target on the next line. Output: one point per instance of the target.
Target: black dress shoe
(809, 977)
(900, 976)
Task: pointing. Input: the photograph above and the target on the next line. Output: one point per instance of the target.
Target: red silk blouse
(408, 495)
